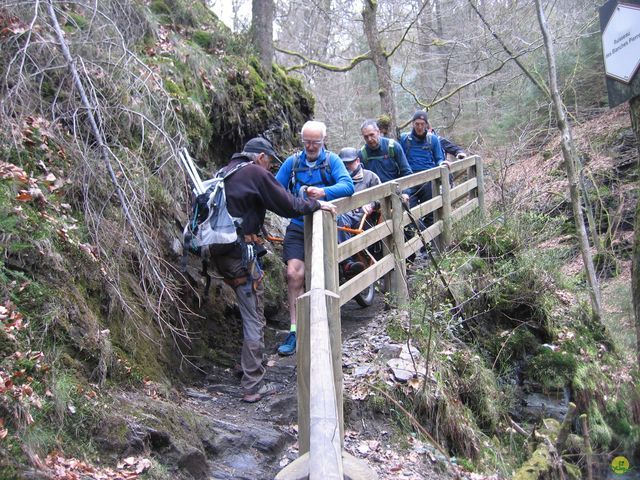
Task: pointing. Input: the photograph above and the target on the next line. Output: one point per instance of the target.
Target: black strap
(323, 166)
(205, 274)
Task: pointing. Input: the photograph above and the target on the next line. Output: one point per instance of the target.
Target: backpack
(210, 223)
(324, 167)
(390, 151)
(405, 138)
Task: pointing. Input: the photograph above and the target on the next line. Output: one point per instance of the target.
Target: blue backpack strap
(405, 140)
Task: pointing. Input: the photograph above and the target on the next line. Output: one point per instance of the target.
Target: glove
(461, 156)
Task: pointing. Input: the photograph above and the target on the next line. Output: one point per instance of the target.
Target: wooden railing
(319, 349)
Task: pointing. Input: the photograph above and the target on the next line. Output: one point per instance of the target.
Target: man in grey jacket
(362, 179)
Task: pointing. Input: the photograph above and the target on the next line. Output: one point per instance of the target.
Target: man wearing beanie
(423, 151)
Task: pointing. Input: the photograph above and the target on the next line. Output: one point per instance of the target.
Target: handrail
(320, 427)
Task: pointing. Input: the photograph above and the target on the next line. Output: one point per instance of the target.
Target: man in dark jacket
(250, 192)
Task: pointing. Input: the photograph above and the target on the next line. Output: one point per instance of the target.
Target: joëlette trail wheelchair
(367, 257)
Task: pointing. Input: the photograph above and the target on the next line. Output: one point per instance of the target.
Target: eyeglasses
(309, 143)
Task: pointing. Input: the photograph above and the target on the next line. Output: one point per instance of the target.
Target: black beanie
(420, 115)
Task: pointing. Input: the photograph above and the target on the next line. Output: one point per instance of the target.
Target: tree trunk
(262, 13)
(381, 62)
(570, 161)
(634, 111)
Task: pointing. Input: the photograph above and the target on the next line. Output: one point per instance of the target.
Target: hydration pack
(325, 173)
(390, 152)
(210, 224)
(211, 228)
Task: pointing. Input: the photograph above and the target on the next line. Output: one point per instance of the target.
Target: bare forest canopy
(456, 58)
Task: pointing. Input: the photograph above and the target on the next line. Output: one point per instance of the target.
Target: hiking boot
(351, 269)
(264, 391)
(288, 347)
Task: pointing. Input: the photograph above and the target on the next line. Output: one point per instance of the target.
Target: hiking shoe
(288, 347)
(351, 269)
(264, 391)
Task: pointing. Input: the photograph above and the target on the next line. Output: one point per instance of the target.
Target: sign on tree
(620, 26)
(621, 43)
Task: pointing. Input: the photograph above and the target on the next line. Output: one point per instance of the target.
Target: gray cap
(261, 145)
(349, 154)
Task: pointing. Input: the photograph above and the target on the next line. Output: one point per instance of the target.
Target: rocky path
(255, 441)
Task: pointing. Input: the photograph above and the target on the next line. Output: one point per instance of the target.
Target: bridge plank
(423, 209)
(365, 239)
(464, 210)
(358, 283)
(463, 164)
(461, 190)
(415, 244)
(363, 197)
(418, 178)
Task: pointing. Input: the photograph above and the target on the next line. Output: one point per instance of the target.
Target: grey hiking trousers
(250, 295)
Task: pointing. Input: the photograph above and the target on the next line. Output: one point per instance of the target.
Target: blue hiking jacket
(382, 163)
(328, 167)
(422, 153)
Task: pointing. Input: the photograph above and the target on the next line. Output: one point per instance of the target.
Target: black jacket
(252, 190)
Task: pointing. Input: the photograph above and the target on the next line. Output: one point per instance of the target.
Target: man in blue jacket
(383, 156)
(313, 173)
(424, 152)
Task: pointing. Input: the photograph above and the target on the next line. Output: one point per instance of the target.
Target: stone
(362, 370)
(402, 369)
(390, 350)
(195, 463)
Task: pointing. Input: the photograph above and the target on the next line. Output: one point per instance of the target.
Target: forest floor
(257, 440)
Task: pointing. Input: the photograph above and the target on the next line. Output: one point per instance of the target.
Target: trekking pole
(185, 166)
(189, 166)
(457, 307)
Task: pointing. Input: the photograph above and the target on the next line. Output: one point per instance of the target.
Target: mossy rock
(553, 370)
(494, 241)
(160, 7)
(513, 346)
(538, 467)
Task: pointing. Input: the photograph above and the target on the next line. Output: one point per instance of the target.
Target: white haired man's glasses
(309, 143)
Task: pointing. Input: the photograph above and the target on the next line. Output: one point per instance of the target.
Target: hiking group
(305, 182)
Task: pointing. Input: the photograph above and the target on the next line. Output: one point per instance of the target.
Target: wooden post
(480, 187)
(303, 349)
(588, 452)
(446, 208)
(332, 285)
(303, 345)
(399, 288)
(325, 444)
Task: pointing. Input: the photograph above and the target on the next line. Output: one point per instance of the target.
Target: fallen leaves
(73, 469)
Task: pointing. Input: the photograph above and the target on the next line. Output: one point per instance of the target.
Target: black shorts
(293, 245)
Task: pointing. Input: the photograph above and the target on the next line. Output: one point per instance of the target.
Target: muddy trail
(255, 441)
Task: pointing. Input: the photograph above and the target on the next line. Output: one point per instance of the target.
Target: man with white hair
(314, 173)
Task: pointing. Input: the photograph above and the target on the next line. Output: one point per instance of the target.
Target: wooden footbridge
(319, 352)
